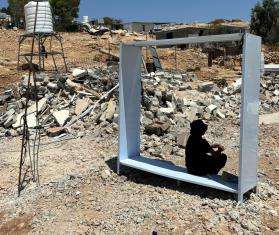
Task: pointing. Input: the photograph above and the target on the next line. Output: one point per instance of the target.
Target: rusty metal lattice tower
(43, 51)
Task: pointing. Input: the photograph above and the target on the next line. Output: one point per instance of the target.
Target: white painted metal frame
(130, 106)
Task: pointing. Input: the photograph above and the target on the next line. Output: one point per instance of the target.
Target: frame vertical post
(249, 120)
(130, 102)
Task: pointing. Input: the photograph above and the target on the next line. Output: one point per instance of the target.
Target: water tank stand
(43, 51)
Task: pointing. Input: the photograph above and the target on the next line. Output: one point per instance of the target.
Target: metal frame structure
(130, 108)
(40, 41)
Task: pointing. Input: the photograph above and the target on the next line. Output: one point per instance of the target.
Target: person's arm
(211, 149)
(219, 147)
(219, 150)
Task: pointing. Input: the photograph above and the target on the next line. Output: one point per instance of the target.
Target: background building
(181, 31)
(140, 27)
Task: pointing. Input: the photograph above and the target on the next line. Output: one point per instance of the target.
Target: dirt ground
(82, 50)
(81, 193)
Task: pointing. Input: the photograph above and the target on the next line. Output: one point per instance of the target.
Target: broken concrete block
(276, 92)
(149, 114)
(31, 120)
(73, 85)
(225, 90)
(266, 107)
(167, 96)
(157, 128)
(157, 79)
(19, 121)
(206, 86)
(166, 111)
(217, 97)
(2, 99)
(25, 79)
(56, 131)
(61, 116)
(177, 76)
(169, 104)
(181, 139)
(206, 116)
(219, 114)
(10, 121)
(41, 106)
(8, 94)
(236, 86)
(79, 73)
(275, 100)
(7, 116)
(185, 87)
(191, 113)
(267, 119)
(230, 113)
(209, 109)
(115, 118)
(146, 121)
(52, 86)
(159, 95)
(81, 105)
(108, 114)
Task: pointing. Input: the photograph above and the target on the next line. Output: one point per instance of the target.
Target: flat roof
(145, 22)
(189, 40)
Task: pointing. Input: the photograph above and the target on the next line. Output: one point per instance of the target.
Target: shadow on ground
(141, 177)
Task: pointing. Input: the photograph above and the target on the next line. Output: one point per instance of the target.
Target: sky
(186, 11)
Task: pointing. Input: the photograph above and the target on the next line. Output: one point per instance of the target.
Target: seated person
(201, 158)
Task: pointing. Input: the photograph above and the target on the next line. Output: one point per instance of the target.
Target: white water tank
(44, 22)
(85, 19)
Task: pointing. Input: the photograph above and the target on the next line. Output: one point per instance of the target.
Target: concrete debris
(219, 114)
(267, 119)
(74, 100)
(31, 120)
(206, 86)
(236, 86)
(191, 113)
(41, 106)
(158, 128)
(166, 111)
(109, 112)
(56, 131)
(181, 139)
(81, 105)
(211, 108)
(52, 86)
(61, 116)
(78, 73)
(9, 114)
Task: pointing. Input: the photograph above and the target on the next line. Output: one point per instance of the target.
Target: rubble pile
(64, 102)
(270, 93)
(178, 100)
(271, 57)
(75, 103)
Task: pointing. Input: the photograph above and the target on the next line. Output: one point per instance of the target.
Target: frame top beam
(189, 40)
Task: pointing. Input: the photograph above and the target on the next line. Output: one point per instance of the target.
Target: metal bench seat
(168, 169)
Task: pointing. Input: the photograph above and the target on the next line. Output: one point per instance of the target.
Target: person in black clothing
(201, 158)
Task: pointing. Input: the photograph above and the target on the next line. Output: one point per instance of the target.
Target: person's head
(198, 128)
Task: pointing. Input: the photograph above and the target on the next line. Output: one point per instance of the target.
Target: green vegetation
(64, 13)
(265, 20)
(113, 23)
(16, 10)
